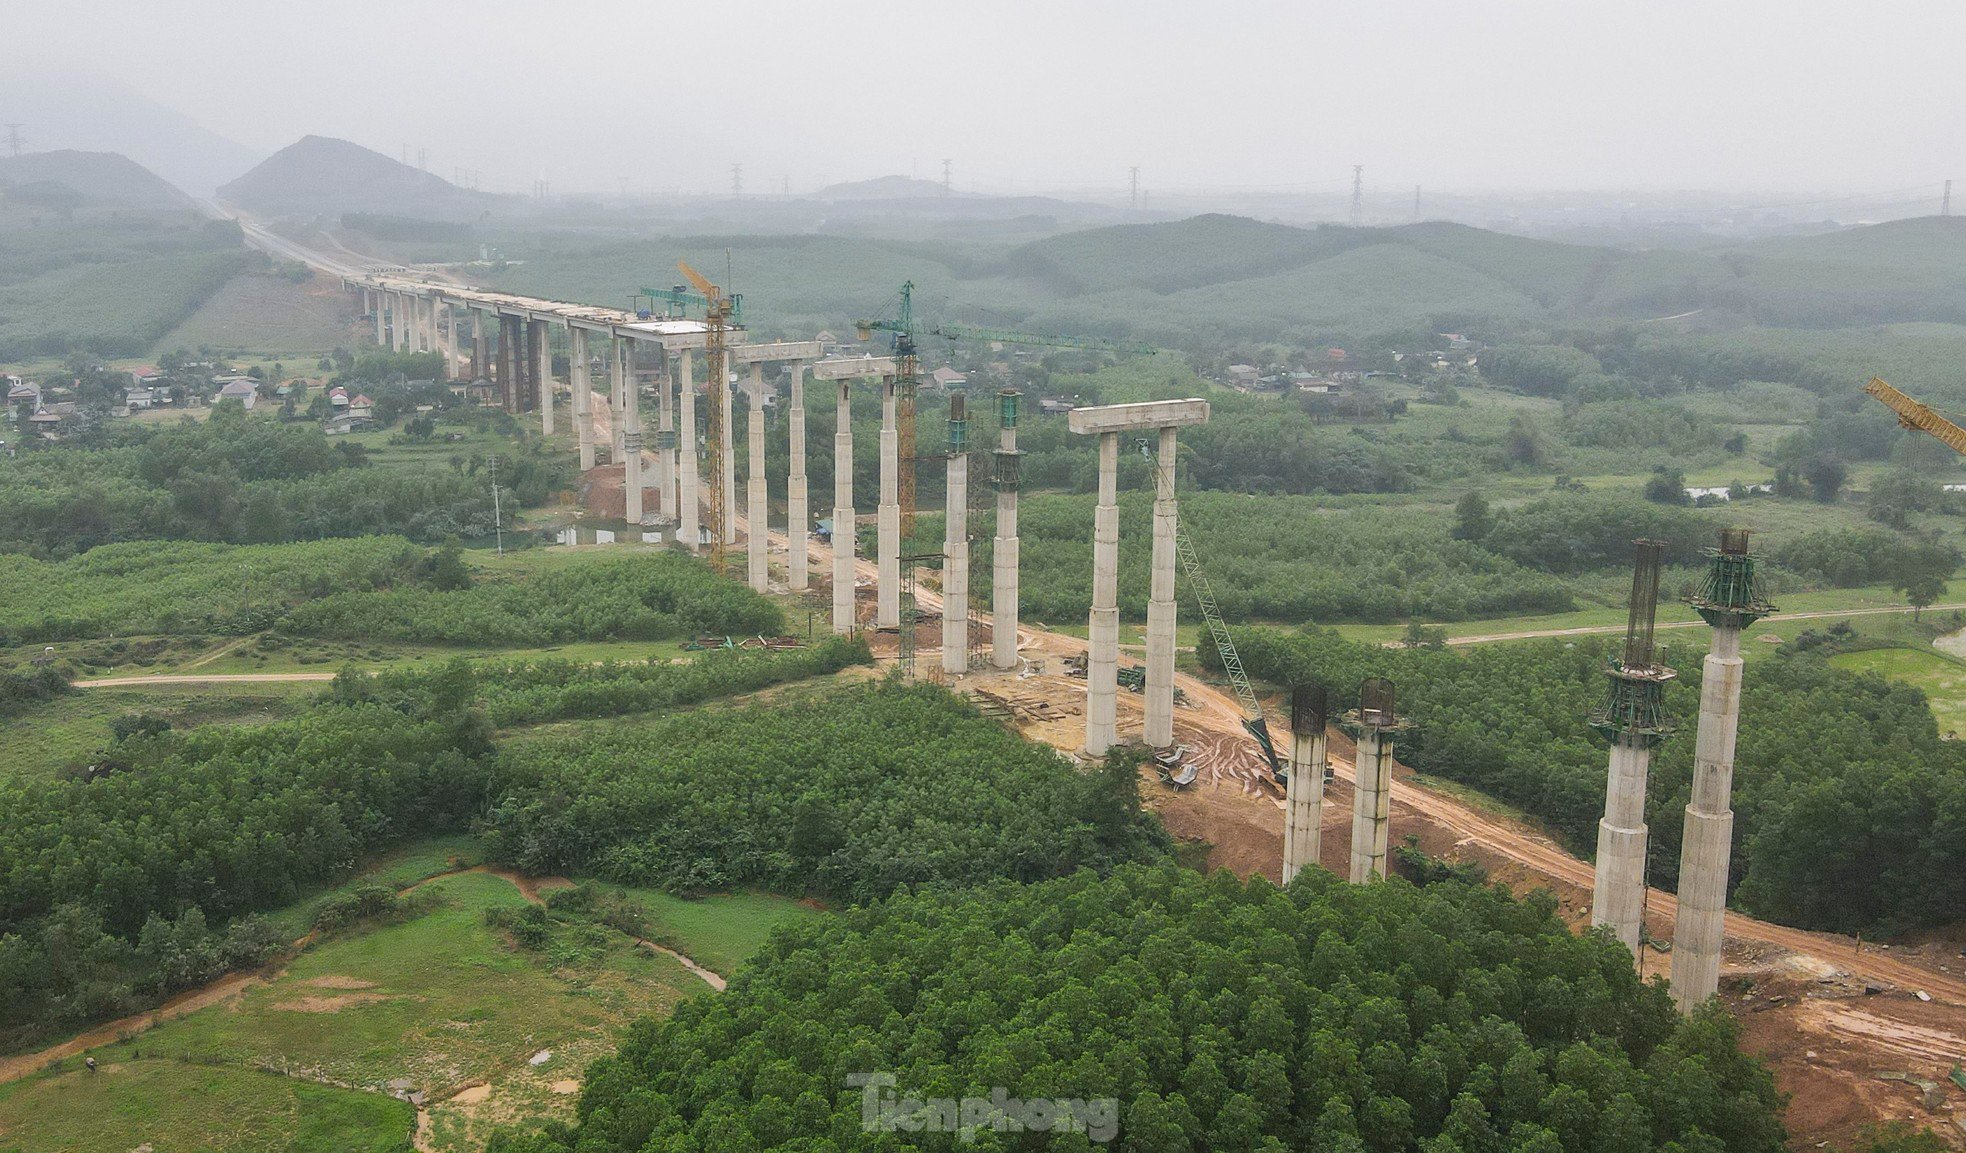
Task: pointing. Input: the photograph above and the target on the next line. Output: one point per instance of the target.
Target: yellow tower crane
(1920, 417)
(719, 309)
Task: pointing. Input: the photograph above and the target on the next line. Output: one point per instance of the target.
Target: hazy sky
(1452, 94)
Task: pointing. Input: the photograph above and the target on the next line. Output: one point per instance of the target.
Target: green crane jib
(1253, 720)
(679, 298)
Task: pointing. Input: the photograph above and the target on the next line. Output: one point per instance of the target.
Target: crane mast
(719, 312)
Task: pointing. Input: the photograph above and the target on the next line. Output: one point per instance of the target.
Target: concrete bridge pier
(1004, 546)
(665, 438)
(480, 360)
(756, 515)
(583, 395)
(798, 518)
(1103, 625)
(631, 434)
(1303, 821)
(843, 533)
(542, 350)
(887, 551)
(955, 542)
(689, 506)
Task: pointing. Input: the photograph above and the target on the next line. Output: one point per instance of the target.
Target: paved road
(1597, 630)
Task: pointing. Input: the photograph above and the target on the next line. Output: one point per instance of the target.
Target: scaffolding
(1634, 708)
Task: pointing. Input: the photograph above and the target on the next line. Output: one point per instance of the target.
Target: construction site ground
(1855, 1037)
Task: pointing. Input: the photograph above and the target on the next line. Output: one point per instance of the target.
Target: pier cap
(1144, 415)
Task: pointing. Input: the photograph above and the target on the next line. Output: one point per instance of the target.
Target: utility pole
(1945, 201)
(14, 141)
(1133, 188)
(737, 180)
(498, 520)
(1358, 194)
(945, 176)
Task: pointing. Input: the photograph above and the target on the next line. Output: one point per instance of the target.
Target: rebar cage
(1375, 703)
(958, 424)
(1007, 407)
(1308, 708)
(1730, 597)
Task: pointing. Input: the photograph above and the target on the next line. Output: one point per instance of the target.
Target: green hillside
(94, 179)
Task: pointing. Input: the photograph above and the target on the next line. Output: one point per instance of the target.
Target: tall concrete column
(583, 395)
(1303, 819)
(1004, 546)
(1729, 602)
(756, 518)
(542, 347)
(721, 373)
(631, 435)
(666, 440)
(426, 324)
(955, 542)
(1618, 888)
(1372, 776)
(1708, 839)
(843, 532)
(509, 358)
(450, 341)
(381, 337)
(397, 321)
(480, 354)
(798, 517)
(1103, 625)
(887, 603)
(1158, 731)
(689, 504)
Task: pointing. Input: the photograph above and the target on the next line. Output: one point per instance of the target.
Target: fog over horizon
(1753, 97)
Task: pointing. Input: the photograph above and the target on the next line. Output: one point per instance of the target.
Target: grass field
(176, 1107)
(69, 730)
(272, 315)
(1940, 678)
(442, 1001)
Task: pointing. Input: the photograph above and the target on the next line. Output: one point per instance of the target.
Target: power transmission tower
(737, 180)
(785, 186)
(1133, 188)
(14, 140)
(1945, 201)
(945, 176)
(1358, 193)
(423, 158)
(1416, 202)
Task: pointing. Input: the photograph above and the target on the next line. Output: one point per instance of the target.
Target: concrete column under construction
(843, 534)
(381, 337)
(542, 349)
(798, 515)
(887, 548)
(631, 433)
(1372, 772)
(955, 542)
(1003, 546)
(583, 395)
(756, 517)
(1103, 624)
(665, 439)
(1158, 731)
(1303, 806)
(689, 509)
(1633, 721)
(450, 342)
(1730, 602)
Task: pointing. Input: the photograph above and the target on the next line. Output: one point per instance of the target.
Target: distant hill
(882, 188)
(319, 174)
(93, 178)
(65, 109)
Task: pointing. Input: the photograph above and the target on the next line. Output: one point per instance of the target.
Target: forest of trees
(1210, 1013)
(846, 798)
(1848, 805)
(126, 883)
(245, 480)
